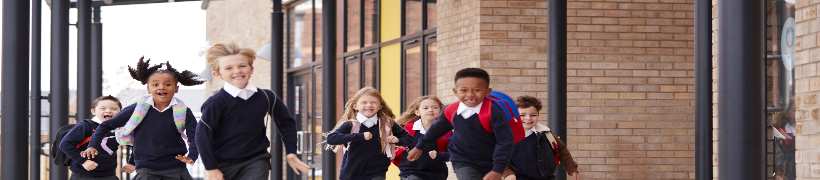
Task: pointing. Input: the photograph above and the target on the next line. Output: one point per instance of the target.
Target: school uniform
(364, 159)
(232, 134)
(473, 151)
(539, 154)
(156, 140)
(77, 140)
(425, 167)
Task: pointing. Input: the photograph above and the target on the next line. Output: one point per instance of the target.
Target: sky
(172, 32)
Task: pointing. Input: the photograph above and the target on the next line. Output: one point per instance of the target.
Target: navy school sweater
(364, 159)
(471, 144)
(424, 167)
(106, 163)
(156, 140)
(533, 158)
(233, 129)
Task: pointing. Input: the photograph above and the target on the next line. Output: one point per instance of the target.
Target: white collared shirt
(467, 112)
(96, 120)
(151, 102)
(367, 121)
(245, 93)
(528, 132)
(418, 126)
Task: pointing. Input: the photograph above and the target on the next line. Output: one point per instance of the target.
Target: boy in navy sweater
(102, 167)
(537, 156)
(475, 153)
(158, 125)
(231, 137)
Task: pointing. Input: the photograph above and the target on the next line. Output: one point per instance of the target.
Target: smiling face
(471, 90)
(162, 86)
(105, 109)
(428, 109)
(368, 105)
(529, 117)
(235, 69)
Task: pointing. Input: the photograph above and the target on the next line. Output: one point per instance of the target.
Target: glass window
(370, 61)
(300, 34)
(412, 16)
(431, 14)
(780, 88)
(370, 22)
(431, 68)
(412, 75)
(354, 30)
(353, 75)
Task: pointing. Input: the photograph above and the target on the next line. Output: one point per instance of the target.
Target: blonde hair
(385, 114)
(219, 50)
(410, 113)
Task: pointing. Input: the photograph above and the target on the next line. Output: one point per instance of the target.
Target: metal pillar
(58, 99)
(83, 59)
(36, 90)
(742, 100)
(14, 89)
(703, 92)
(96, 53)
(328, 82)
(277, 82)
(558, 71)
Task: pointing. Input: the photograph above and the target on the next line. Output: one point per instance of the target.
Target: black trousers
(168, 174)
(256, 168)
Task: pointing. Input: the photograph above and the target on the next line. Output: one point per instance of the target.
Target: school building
(630, 70)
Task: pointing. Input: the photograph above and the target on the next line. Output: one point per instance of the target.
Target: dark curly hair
(144, 70)
(528, 101)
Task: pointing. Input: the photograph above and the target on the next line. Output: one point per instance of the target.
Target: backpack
(496, 99)
(60, 158)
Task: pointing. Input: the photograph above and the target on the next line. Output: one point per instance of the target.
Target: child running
(369, 134)
(541, 152)
(157, 125)
(417, 120)
(101, 167)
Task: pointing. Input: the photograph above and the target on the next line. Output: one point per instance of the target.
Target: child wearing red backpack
(76, 140)
(541, 152)
(483, 138)
(417, 120)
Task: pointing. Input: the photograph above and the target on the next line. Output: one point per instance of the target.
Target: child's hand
(432, 154)
(492, 175)
(129, 168)
(89, 165)
(215, 174)
(89, 153)
(367, 136)
(392, 139)
(297, 165)
(414, 154)
(184, 159)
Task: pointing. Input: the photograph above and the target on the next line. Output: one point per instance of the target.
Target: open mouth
(161, 93)
(107, 116)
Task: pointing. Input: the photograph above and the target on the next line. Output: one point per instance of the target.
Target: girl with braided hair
(158, 125)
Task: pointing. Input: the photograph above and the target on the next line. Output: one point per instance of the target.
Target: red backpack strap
(485, 115)
(409, 128)
(441, 143)
(450, 112)
(83, 142)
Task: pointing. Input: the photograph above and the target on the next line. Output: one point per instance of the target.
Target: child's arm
(342, 135)
(440, 126)
(503, 142)
(404, 138)
(566, 158)
(190, 132)
(71, 139)
(204, 134)
(286, 124)
(118, 120)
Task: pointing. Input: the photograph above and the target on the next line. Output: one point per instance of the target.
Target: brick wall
(458, 42)
(807, 85)
(630, 76)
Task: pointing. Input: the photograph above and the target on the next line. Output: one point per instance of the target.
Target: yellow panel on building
(390, 63)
